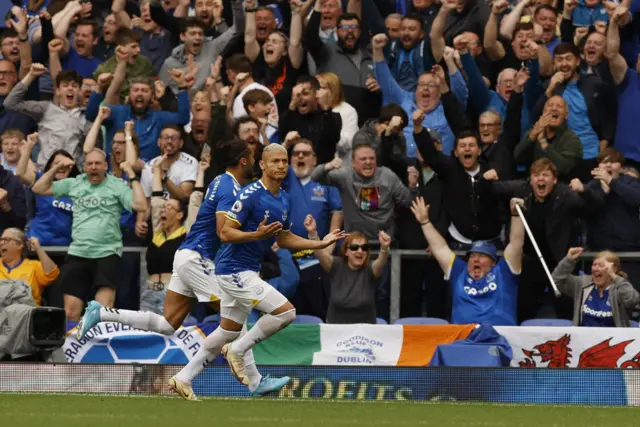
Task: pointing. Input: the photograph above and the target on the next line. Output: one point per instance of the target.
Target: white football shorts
(245, 291)
(194, 276)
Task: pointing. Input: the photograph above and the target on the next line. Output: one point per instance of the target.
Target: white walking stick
(537, 249)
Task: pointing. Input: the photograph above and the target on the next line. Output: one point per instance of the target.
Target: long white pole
(537, 249)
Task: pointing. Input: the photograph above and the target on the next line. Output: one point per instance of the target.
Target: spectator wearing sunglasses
(353, 277)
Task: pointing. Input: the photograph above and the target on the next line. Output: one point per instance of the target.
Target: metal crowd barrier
(396, 256)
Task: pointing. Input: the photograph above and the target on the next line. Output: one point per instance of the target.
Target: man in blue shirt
(259, 214)
(592, 105)
(426, 98)
(324, 204)
(79, 57)
(148, 123)
(484, 289)
(627, 82)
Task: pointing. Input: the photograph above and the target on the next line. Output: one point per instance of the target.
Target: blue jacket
(147, 128)
(434, 119)
(419, 57)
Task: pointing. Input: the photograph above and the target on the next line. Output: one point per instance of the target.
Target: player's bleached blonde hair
(273, 148)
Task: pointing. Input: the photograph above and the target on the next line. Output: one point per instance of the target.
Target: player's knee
(166, 328)
(287, 317)
(227, 336)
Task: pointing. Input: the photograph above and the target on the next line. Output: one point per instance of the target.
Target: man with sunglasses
(324, 204)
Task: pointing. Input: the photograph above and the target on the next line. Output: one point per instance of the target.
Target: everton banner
(109, 342)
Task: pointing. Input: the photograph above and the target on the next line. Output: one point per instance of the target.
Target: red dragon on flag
(557, 354)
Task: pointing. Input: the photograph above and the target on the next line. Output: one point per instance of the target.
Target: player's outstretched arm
(290, 241)
(231, 232)
(513, 251)
(439, 248)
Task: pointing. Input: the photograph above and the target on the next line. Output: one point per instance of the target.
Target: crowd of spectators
(411, 124)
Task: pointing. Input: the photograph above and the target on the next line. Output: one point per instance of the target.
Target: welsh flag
(360, 344)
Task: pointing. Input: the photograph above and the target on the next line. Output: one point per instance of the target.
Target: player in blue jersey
(193, 269)
(483, 288)
(260, 214)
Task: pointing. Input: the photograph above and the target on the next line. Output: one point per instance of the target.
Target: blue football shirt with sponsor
(596, 310)
(491, 299)
(321, 201)
(253, 204)
(221, 195)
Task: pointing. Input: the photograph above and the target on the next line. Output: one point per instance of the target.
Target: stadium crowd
(412, 124)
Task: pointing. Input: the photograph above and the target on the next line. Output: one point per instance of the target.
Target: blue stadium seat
(213, 318)
(381, 321)
(190, 321)
(633, 324)
(303, 319)
(547, 322)
(421, 321)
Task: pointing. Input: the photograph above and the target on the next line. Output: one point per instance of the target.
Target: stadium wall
(610, 387)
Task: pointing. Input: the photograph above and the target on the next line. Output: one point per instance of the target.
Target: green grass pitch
(23, 410)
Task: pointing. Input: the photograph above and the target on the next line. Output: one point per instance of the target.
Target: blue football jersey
(596, 310)
(220, 197)
(253, 204)
(492, 299)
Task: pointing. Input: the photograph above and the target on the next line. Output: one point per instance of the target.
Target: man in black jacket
(617, 226)
(13, 211)
(310, 115)
(551, 210)
(472, 206)
(409, 235)
(497, 146)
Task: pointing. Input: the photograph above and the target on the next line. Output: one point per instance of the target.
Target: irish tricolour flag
(392, 345)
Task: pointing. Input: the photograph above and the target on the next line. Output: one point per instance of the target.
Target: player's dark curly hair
(228, 154)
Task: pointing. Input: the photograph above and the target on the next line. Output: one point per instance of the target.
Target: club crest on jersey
(284, 215)
(491, 277)
(237, 206)
(318, 191)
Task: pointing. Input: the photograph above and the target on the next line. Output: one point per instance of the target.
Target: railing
(396, 256)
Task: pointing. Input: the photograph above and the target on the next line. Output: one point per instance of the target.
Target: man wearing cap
(484, 289)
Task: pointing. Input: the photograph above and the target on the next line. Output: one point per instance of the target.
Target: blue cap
(485, 248)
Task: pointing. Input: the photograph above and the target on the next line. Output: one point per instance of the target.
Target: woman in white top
(348, 114)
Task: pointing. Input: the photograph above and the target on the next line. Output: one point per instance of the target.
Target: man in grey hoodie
(204, 52)
(369, 193)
